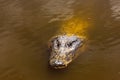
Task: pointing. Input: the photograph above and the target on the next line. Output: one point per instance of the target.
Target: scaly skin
(63, 50)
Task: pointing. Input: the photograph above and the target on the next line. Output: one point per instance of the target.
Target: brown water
(27, 25)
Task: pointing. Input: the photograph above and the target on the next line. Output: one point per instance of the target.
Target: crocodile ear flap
(51, 41)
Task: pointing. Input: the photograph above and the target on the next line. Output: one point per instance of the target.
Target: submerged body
(64, 47)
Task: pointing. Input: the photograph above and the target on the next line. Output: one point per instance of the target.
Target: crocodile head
(63, 50)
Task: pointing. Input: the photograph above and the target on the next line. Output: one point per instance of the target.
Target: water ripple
(59, 9)
(115, 8)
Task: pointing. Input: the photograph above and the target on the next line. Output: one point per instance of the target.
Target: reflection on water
(115, 7)
(26, 26)
(76, 26)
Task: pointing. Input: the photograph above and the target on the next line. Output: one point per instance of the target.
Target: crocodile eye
(52, 41)
(71, 43)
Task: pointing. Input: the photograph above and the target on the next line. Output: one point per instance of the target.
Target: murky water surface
(27, 25)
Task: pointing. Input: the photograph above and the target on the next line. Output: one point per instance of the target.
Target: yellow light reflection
(75, 26)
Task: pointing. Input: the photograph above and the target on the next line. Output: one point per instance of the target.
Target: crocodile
(64, 47)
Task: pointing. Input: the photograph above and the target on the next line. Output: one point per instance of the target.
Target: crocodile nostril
(57, 64)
